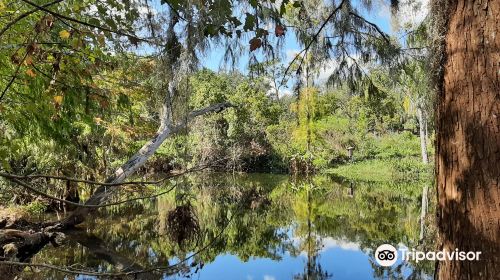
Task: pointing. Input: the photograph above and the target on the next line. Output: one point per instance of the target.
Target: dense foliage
(85, 84)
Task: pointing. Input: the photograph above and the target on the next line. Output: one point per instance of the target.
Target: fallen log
(19, 245)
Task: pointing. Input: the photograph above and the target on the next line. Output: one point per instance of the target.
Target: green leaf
(210, 30)
(249, 22)
(111, 23)
(253, 3)
(282, 8)
(94, 21)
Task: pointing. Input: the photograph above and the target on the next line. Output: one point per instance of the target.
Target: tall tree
(414, 83)
(468, 134)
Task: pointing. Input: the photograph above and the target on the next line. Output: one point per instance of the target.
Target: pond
(250, 226)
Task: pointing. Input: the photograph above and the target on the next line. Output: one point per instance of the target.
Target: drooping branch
(303, 53)
(13, 78)
(51, 197)
(313, 39)
(18, 68)
(90, 182)
(384, 36)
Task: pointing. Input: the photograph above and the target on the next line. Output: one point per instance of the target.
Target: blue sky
(380, 16)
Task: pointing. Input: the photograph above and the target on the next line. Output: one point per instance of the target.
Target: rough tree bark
(103, 193)
(468, 136)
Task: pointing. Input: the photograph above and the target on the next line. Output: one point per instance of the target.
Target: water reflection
(257, 226)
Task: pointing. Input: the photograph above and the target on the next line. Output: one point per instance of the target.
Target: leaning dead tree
(103, 193)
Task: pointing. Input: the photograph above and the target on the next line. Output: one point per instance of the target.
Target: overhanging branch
(86, 23)
(20, 17)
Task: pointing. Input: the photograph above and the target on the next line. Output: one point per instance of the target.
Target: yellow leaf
(64, 34)
(28, 60)
(30, 73)
(97, 120)
(58, 99)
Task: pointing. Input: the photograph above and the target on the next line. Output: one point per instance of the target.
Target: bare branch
(11, 81)
(16, 179)
(384, 36)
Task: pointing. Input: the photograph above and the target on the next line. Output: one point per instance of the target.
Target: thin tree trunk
(423, 138)
(468, 137)
(423, 212)
(103, 193)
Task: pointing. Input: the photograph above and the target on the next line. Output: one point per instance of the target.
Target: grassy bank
(383, 170)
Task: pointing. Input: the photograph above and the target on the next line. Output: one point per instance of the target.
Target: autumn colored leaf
(104, 103)
(97, 120)
(30, 73)
(28, 60)
(279, 31)
(58, 99)
(64, 34)
(255, 43)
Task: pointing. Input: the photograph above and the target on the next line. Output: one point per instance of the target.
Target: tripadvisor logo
(387, 255)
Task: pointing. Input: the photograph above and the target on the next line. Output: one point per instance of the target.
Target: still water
(251, 226)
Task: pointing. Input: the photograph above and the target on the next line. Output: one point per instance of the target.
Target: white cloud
(291, 53)
(413, 11)
(329, 243)
(268, 277)
(326, 71)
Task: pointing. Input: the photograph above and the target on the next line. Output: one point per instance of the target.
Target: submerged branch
(125, 273)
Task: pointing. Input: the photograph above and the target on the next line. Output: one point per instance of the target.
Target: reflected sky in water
(277, 228)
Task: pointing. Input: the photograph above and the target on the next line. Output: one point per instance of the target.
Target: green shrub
(36, 207)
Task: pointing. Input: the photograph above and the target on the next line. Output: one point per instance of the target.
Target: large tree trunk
(468, 137)
(423, 137)
(103, 193)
